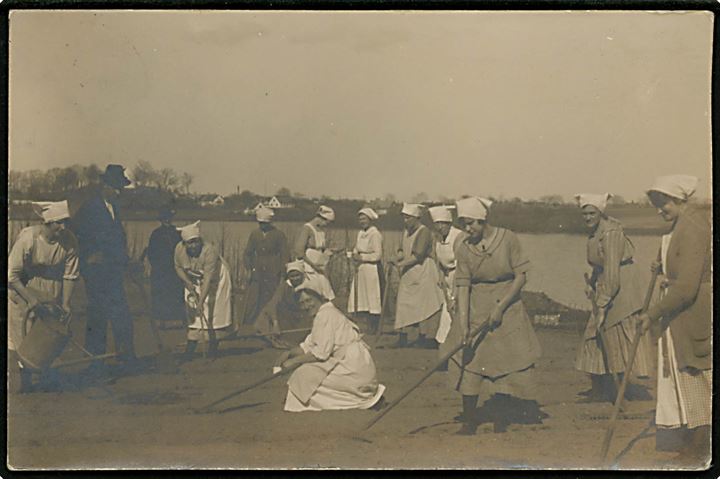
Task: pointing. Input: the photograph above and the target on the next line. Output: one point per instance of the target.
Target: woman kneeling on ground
(490, 274)
(334, 367)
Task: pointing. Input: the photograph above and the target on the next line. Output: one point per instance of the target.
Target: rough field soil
(146, 420)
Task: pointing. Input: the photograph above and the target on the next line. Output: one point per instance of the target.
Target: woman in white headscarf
(617, 296)
(367, 254)
(419, 297)
(491, 272)
(208, 290)
(312, 235)
(683, 316)
(42, 266)
(448, 237)
(335, 368)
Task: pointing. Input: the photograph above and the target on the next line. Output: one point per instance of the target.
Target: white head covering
(412, 209)
(369, 212)
(326, 212)
(475, 208)
(51, 211)
(599, 201)
(440, 214)
(264, 214)
(298, 265)
(317, 258)
(681, 187)
(190, 231)
(314, 283)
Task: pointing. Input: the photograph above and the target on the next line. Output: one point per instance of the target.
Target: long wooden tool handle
(482, 329)
(383, 305)
(148, 310)
(257, 383)
(633, 352)
(279, 333)
(73, 362)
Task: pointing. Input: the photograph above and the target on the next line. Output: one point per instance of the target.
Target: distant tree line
(48, 184)
(58, 182)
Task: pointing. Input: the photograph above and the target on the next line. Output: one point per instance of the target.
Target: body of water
(558, 259)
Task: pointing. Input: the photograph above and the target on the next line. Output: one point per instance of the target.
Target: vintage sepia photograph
(294, 239)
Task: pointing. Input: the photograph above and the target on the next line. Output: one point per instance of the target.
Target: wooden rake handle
(482, 329)
(626, 377)
(259, 382)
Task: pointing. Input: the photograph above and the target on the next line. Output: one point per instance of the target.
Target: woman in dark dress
(168, 303)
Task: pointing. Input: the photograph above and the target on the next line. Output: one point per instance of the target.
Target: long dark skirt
(168, 303)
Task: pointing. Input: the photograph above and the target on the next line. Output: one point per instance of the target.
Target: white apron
(445, 253)
(369, 245)
(222, 311)
(318, 239)
(670, 410)
(419, 296)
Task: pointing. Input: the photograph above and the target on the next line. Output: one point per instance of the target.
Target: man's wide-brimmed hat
(114, 176)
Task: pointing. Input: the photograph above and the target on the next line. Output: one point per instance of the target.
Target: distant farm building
(212, 200)
(275, 202)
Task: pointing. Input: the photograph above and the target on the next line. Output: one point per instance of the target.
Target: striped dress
(619, 294)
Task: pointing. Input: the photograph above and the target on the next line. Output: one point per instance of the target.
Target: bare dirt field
(146, 420)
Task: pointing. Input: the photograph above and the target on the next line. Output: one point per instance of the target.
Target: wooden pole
(596, 311)
(259, 382)
(383, 305)
(621, 392)
(483, 329)
(73, 362)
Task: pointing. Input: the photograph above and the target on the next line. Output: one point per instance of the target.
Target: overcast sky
(368, 103)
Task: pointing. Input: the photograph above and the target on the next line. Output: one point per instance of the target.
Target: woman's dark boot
(697, 450)
(501, 410)
(402, 341)
(597, 392)
(213, 346)
(468, 417)
(190, 348)
(373, 324)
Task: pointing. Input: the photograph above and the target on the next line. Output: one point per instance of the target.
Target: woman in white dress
(208, 290)
(419, 297)
(312, 235)
(447, 238)
(367, 256)
(42, 266)
(334, 367)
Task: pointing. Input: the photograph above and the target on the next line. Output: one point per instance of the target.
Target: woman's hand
(589, 292)
(356, 257)
(645, 322)
(282, 359)
(496, 317)
(656, 267)
(450, 306)
(465, 332)
(32, 301)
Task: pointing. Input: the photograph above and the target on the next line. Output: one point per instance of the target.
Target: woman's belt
(49, 273)
(495, 281)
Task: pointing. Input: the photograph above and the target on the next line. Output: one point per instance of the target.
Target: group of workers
(457, 286)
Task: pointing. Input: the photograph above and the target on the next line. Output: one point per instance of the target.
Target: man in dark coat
(168, 303)
(264, 258)
(103, 260)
